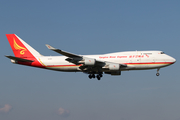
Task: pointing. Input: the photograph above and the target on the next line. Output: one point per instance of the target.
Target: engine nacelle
(14, 61)
(114, 67)
(89, 62)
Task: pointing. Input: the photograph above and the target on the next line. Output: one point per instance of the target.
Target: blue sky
(90, 27)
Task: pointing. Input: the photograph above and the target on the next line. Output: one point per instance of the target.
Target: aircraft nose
(170, 59)
(173, 60)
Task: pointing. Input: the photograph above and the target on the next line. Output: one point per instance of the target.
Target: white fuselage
(135, 60)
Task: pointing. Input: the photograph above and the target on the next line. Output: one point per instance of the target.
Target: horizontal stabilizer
(19, 59)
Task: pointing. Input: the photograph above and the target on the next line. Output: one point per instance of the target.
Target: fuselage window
(147, 53)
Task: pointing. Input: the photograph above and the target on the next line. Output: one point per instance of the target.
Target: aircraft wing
(89, 64)
(71, 56)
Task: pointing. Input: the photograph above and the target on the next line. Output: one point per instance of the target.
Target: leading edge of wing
(71, 55)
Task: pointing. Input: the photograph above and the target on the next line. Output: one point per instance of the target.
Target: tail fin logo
(17, 47)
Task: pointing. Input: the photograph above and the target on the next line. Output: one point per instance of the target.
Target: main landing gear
(98, 76)
(157, 74)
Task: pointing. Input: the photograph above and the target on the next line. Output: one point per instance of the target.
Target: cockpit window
(162, 53)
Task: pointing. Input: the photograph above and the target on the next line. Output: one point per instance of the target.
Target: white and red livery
(94, 65)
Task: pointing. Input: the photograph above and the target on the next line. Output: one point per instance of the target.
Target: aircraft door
(139, 54)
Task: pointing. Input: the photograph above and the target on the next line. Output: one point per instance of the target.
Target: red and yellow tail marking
(17, 47)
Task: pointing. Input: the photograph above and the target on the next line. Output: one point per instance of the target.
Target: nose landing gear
(157, 74)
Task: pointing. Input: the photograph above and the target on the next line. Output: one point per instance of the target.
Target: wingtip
(50, 47)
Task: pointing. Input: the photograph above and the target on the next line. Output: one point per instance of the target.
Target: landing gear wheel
(90, 76)
(98, 77)
(157, 74)
(93, 76)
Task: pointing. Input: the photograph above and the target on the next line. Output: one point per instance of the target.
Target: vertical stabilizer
(20, 48)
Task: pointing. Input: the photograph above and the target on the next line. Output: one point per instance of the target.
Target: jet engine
(14, 61)
(114, 67)
(88, 62)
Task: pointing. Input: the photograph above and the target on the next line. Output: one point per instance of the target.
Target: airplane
(93, 65)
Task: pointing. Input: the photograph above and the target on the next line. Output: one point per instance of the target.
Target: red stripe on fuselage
(149, 63)
(123, 63)
(36, 63)
(62, 65)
